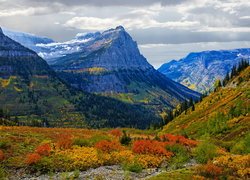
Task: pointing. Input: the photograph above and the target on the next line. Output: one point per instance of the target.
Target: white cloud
(224, 29)
(25, 11)
(245, 17)
(145, 22)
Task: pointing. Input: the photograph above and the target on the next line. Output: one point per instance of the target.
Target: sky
(163, 29)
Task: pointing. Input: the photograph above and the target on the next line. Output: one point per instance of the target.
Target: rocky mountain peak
(82, 36)
(1, 31)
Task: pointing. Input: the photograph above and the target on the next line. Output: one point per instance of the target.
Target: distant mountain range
(110, 64)
(199, 70)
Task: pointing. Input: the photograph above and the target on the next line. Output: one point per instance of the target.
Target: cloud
(102, 3)
(245, 17)
(26, 11)
(144, 22)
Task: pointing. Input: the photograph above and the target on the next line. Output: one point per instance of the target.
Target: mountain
(28, 40)
(224, 115)
(110, 64)
(199, 70)
(32, 94)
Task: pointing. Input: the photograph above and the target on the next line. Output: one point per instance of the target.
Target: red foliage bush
(116, 132)
(32, 158)
(108, 146)
(179, 139)
(64, 141)
(43, 150)
(1, 155)
(151, 147)
(209, 170)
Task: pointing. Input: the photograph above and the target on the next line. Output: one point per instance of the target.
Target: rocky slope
(199, 70)
(32, 94)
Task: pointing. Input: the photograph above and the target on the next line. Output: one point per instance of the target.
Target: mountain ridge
(199, 70)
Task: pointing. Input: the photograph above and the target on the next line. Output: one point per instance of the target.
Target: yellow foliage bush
(81, 158)
(235, 164)
(122, 156)
(149, 161)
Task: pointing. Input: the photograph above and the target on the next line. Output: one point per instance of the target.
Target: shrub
(133, 167)
(1, 155)
(43, 150)
(96, 138)
(180, 157)
(80, 158)
(150, 147)
(125, 139)
(236, 165)
(32, 158)
(177, 139)
(116, 133)
(108, 146)
(82, 142)
(45, 164)
(242, 147)
(4, 144)
(209, 170)
(3, 173)
(205, 151)
(150, 161)
(64, 141)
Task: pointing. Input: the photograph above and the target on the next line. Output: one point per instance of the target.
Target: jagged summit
(1, 31)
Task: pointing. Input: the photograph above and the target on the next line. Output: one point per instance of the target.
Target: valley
(94, 108)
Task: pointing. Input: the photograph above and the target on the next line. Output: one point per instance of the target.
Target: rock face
(199, 70)
(110, 63)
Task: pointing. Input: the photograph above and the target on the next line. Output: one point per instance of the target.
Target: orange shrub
(64, 141)
(116, 132)
(179, 139)
(209, 170)
(1, 155)
(150, 147)
(108, 146)
(43, 150)
(32, 158)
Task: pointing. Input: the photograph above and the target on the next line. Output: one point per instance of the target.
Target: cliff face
(111, 64)
(112, 50)
(199, 70)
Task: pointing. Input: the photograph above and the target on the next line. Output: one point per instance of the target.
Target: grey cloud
(99, 3)
(168, 36)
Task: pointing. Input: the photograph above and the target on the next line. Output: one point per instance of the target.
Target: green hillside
(223, 115)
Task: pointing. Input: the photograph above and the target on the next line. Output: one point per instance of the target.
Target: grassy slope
(224, 115)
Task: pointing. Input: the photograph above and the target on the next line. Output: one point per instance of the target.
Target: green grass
(180, 174)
